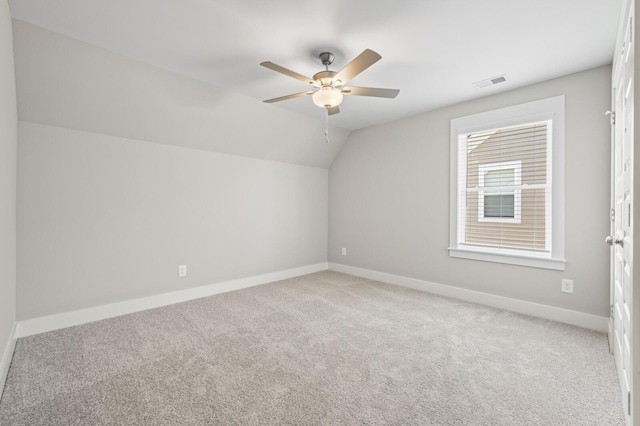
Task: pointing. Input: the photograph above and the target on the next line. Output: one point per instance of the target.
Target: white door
(621, 239)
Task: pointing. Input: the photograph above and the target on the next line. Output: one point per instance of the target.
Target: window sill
(508, 258)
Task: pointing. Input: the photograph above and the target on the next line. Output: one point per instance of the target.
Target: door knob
(614, 240)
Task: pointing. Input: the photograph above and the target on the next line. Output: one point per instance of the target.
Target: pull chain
(326, 126)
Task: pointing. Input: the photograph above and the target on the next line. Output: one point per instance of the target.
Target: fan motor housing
(325, 77)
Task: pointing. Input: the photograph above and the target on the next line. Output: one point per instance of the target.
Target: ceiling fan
(330, 85)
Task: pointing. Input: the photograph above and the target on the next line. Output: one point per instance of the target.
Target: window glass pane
(501, 177)
(499, 206)
(501, 166)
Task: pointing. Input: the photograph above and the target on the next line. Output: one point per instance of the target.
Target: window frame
(541, 110)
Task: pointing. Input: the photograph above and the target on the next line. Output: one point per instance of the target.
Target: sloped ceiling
(433, 51)
(67, 83)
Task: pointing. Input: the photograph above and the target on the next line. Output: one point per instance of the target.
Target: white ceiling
(432, 50)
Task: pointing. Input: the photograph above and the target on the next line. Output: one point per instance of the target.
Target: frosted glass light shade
(327, 97)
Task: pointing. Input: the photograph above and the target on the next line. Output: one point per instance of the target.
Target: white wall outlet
(344, 251)
(182, 271)
(567, 286)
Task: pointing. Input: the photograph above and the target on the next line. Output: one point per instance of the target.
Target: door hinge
(612, 215)
(612, 317)
(612, 117)
(629, 403)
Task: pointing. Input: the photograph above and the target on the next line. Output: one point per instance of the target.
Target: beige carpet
(323, 349)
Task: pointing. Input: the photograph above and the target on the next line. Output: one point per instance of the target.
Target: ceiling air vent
(491, 81)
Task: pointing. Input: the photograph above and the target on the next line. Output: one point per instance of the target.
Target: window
(498, 198)
(507, 200)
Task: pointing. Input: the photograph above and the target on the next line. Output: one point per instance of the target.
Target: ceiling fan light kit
(330, 85)
(327, 97)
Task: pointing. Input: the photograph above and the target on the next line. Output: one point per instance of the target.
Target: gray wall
(103, 219)
(389, 199)
(8, 143)
(126, 171)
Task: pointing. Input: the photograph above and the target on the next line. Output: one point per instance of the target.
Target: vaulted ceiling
(433, 51)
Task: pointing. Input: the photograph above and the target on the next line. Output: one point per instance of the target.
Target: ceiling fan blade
(333, 110)
(370, 91)
(284, 98)
(290, 73)
(355, 67)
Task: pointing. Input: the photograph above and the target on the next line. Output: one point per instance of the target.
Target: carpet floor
(321, 349)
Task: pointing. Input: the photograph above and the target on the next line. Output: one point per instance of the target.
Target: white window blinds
(504, 187)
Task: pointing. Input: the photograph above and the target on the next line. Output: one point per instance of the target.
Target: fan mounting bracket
(327, 58)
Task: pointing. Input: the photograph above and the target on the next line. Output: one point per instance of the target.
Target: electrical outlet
(567, 286)
(344, 251)
(182, 271)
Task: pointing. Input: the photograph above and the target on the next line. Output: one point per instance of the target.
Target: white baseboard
(83, 316)
(7, 355)
(67, 319)
(580, 319)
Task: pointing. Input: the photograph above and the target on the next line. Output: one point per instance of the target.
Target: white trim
(54, 322)
(7, 355)
(96, 313)
(580, 319)
(522, 258)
